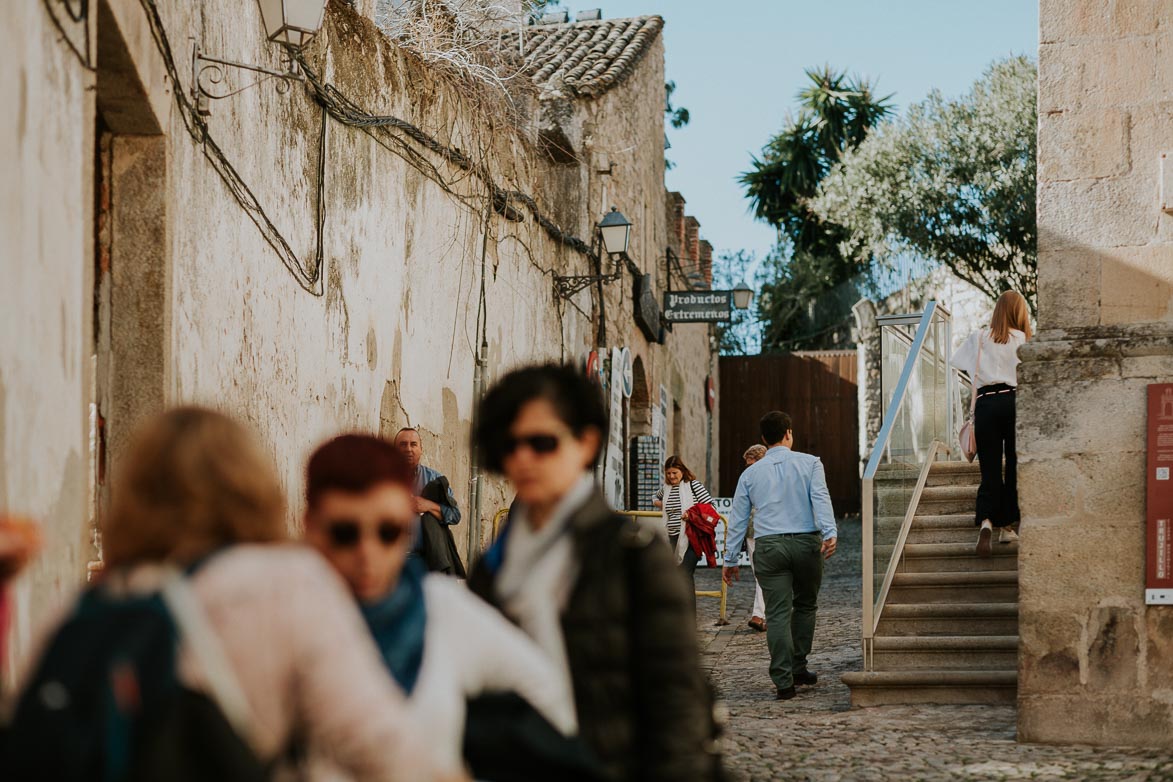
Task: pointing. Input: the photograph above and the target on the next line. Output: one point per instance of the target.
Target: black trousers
(993, 420)
(688, 564)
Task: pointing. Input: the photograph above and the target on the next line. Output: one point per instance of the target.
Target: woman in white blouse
(990, 356)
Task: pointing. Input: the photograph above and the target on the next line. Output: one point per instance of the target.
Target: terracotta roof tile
(587, 58)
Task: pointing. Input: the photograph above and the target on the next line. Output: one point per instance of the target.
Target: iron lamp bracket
(209, 73)
(565, 287)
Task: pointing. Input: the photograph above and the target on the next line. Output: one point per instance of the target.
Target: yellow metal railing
(722, 593)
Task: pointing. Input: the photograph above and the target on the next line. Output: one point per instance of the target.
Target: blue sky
(738, 66)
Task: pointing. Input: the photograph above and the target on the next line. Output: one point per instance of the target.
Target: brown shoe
(758, 624)
(983, 544)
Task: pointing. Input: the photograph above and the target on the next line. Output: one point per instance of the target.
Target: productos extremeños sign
(698, 306)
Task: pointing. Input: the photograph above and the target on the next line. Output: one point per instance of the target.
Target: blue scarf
(398, 621)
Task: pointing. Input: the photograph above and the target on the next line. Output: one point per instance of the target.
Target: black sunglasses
(347, 534)
(538, 443)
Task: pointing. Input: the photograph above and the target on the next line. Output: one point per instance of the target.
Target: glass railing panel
(922, 417)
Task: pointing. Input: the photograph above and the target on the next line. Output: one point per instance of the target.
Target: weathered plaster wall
(1095, 662)
(45, 290)
(391, 339)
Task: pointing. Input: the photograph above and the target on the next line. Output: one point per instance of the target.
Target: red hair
(354, 463)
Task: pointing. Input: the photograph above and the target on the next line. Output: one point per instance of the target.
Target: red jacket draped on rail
(700, 524)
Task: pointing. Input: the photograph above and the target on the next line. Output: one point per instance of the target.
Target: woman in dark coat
(599, 593)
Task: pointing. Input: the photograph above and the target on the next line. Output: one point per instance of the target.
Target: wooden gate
(819, 390)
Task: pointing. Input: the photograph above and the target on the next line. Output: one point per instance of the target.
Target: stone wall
(1094, 661)
(135, 278)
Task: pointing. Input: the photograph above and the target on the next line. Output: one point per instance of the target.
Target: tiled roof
(587, 58)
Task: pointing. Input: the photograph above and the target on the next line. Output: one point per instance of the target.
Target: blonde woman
(990, 356)
(196, 490)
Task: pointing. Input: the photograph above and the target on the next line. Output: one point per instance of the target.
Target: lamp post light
(616, 232)
(291, 23)
(612, 236)
(742, 296)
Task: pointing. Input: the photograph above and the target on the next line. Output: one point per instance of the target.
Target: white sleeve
(499, 657)
(965, 357)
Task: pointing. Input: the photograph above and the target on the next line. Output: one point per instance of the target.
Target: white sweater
(471, 649)
(997, 364)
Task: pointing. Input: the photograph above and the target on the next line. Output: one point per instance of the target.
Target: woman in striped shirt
(681, 492)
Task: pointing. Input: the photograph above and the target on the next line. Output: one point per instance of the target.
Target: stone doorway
(131, 259)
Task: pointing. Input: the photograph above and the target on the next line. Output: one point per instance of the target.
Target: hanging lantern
(292, 22)
(616, 231)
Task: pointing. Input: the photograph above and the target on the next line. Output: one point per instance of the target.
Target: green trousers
(789, 568)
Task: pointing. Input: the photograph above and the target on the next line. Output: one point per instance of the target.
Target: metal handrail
(872, 607)
(723, 593)
(898, 550)
(918, 342)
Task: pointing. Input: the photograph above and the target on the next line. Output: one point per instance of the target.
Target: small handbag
(968, 436)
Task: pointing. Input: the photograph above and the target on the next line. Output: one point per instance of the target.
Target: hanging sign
(1159, 499)
(698, 306)
(626, 373)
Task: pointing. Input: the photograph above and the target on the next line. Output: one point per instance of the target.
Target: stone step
(947, 500)
(882, 688)
(926, 619)
(960, 586)
(949, 528)
(934, 557)
(937, 557)
(892, 501)
(954, 474)
(928, 528)
(945, 653)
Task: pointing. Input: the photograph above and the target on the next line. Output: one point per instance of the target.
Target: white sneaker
(1007, 535)
(984, 535)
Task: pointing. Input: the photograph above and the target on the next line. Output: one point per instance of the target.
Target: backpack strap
(196, 631)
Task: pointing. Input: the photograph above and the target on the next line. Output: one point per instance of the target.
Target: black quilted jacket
(643, 703)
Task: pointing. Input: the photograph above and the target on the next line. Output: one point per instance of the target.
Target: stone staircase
(949, 629)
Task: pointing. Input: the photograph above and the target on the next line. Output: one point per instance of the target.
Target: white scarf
(539, 572)
(687, 500)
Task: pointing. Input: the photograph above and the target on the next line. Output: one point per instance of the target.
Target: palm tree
(835, 114)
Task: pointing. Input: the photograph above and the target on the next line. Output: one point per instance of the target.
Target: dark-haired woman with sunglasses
(441, 645)
(600, 594)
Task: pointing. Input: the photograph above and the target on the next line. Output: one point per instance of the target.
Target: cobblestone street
(817, 736)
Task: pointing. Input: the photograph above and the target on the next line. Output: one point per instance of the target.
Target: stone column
(1096, 663)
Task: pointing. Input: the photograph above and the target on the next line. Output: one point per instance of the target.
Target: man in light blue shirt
(794, 531)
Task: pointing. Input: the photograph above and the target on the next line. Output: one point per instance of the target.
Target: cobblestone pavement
(818, 737)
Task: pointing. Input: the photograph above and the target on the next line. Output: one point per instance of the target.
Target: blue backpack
(105, 703)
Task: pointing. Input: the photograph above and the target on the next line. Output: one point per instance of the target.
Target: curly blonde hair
(193, 481)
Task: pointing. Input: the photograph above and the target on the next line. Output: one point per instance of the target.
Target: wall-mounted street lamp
(291, 23)
(742, 296)
(612, 236)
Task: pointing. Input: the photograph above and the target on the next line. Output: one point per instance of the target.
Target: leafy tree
(952, 182)
(740, 336)
(678, 116)
(836, 113)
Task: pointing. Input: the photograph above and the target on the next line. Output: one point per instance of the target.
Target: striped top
(672, 505)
